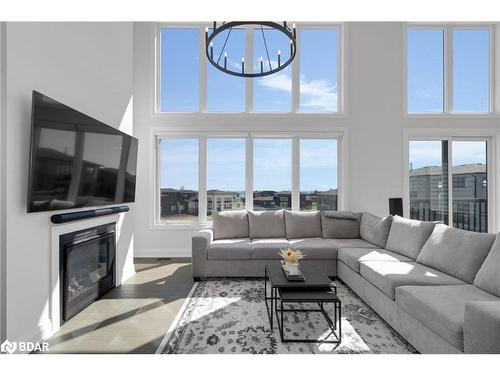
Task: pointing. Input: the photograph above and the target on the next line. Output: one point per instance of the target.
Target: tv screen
(77, 161)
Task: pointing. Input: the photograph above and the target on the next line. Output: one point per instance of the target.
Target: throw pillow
(375, 229)
(231, 224)
(407, 236)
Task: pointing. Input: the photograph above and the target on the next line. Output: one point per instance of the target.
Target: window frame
(157, 135)
(448, 70)
(450, 135)
(249, 84)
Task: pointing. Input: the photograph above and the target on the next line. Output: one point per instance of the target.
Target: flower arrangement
(291, 256)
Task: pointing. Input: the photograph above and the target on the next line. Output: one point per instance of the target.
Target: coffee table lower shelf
(276, 305)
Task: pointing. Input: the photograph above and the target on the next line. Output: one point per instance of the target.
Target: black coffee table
(317, 288)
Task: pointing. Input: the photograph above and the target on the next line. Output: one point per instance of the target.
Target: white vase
(292, 268)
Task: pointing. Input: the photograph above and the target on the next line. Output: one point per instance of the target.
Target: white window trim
(156, 134)
(488, 135)
(448, 71)
(249, 85)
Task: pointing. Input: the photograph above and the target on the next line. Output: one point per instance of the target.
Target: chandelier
(267, 65)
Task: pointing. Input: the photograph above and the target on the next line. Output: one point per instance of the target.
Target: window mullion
(249, 173)
(203, 72)
(296, 174)
(450, 181)
(202, 182)
(296, 77)
(249, 65)
(448, 70)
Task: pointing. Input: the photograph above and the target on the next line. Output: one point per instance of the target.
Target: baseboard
(41, 332)
(162, 253)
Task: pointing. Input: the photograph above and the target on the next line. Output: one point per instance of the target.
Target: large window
(318, 174)
(178, 172)
(448, 70)
(202, 174)
(225, 174)
(272, 93)
(319, 76)
(471, 70)
(226, 93)
(429, 180)
(425, 71)
(430, 187)
(272, 174)
(179, 62)
(470, 198)
(310, 84)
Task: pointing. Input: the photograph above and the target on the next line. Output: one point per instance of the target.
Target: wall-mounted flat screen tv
(77, 161)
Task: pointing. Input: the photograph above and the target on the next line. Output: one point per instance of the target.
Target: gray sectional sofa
(438, 286)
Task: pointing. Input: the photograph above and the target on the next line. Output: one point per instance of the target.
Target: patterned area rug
(230, 316)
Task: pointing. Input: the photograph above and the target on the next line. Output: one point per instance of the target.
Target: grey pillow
(231, 224)
(457, 252)
(343, 224)
(407, 236)
(341, 215)
(302, 224)
(374, 229)
(488, 277)
(266, 224)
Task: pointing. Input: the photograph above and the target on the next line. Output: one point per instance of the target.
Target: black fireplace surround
(86, 267)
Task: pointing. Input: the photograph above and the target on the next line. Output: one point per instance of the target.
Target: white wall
(87, 66)
(375, 126)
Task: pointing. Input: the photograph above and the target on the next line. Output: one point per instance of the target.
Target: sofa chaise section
(442, 308)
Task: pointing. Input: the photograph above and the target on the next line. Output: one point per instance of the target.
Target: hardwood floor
(132, 318)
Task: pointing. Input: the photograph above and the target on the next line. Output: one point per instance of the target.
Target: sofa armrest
(200, 243)
(482, 327)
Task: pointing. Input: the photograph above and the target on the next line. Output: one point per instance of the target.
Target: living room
(188, 184)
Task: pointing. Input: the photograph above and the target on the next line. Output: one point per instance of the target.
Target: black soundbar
(82, 215)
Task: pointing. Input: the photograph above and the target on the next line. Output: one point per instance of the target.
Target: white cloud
(319, 94)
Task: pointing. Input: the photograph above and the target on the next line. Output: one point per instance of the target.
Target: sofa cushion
(352, 257)
(488, 277)
(375, 229)
(321, 248)
(387, 276)
(457, 252)
(268, 248)
(407, 237)
(266, 224)
(441, 308)
(314, 248)
(231, 224)
(340, 224)
(235, 248)
(302, 224)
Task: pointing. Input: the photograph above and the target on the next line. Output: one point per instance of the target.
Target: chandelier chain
(224, 46)
(265, 44)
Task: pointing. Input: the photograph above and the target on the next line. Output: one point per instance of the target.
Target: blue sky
(226, 164)
(470, 70)
(225, 93)
(428, 153)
